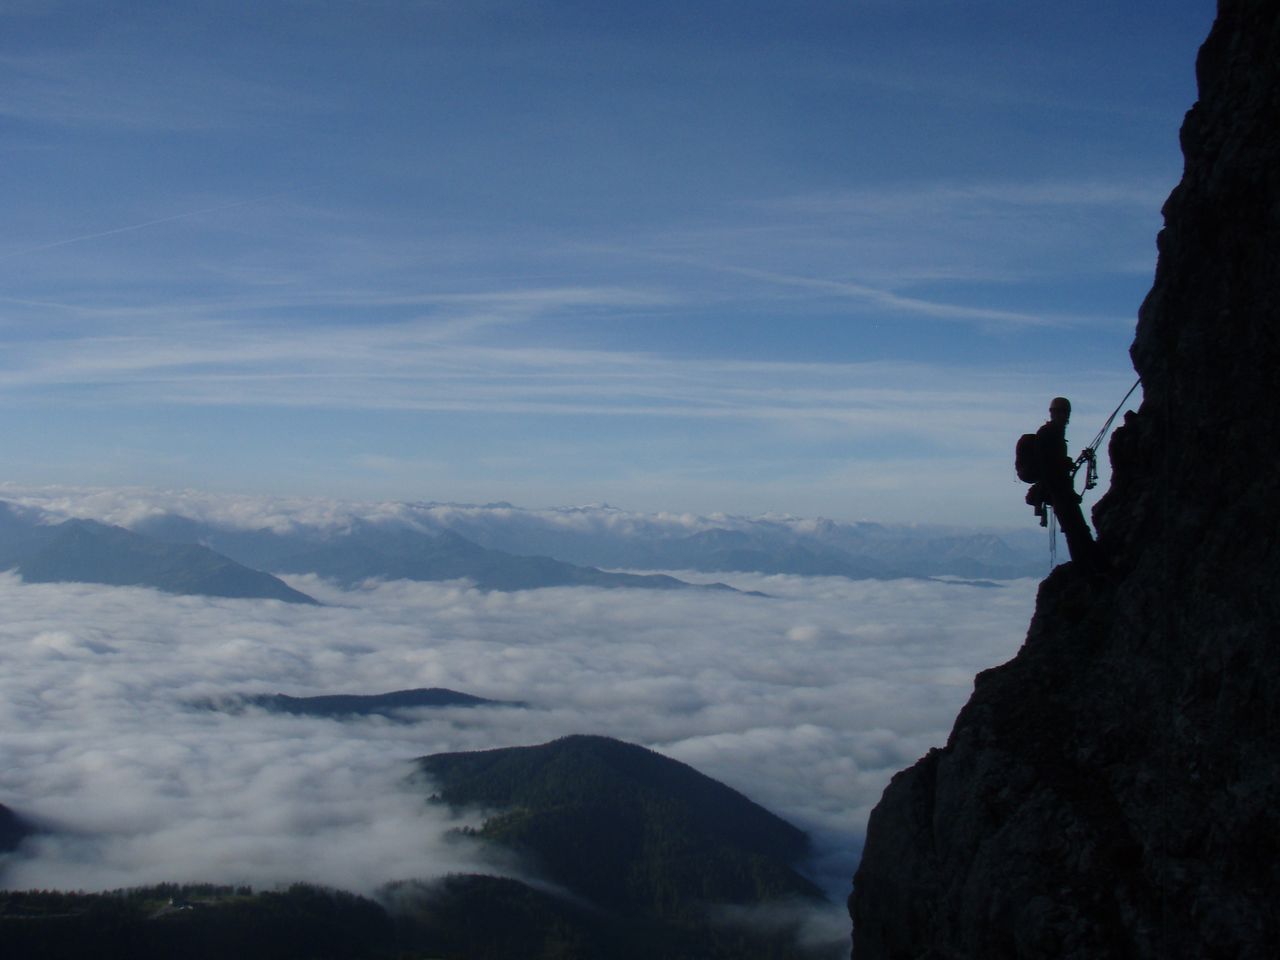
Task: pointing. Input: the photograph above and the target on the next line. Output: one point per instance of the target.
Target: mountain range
(86, 551)
(349, 542)
(364, 549)
(177, 555)
(495, 547)
(612, 538)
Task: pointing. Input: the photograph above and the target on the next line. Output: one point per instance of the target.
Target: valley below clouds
(807, 700)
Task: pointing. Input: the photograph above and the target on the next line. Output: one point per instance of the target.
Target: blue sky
(807, 257)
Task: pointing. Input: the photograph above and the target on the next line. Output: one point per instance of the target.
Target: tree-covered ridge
(625, 827)
(458, 918)
(195, 922)
(497, 918)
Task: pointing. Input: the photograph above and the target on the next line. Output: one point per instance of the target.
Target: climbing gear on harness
(1089, 457)
(1089, 453)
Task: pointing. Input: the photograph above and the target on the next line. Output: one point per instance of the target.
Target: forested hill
(196, 922)
(625, 827)
(658, 861)
(460, 918)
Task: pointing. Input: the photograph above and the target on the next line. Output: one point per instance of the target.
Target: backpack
(1026, 459)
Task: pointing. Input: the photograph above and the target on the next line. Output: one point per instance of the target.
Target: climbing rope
(1114, 413)
(1089, 456)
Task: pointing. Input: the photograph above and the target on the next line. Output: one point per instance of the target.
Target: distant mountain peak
(87, 551)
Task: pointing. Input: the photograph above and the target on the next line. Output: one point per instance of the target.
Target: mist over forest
(804, 693)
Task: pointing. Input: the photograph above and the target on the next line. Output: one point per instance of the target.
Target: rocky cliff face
(1114, 790)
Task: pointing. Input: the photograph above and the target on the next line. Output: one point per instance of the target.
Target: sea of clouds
(807, 700)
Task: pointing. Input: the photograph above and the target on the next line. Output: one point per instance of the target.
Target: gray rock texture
(1114, 790)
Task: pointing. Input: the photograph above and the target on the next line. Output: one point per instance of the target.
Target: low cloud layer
(807, 701)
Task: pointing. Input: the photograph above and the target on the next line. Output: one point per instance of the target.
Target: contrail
(136, 226)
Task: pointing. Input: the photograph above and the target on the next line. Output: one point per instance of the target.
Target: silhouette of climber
(1057, 471)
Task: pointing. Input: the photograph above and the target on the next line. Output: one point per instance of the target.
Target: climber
(1056, 486)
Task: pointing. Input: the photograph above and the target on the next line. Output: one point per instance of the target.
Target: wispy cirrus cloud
(984, 198)
(108, 90)
(894, 304)
(441, 366)
(990, 257)
(129, 228)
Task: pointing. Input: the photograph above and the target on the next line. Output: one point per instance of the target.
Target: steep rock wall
(1114, 790)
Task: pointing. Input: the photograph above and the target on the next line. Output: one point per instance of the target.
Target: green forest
(646, 851)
